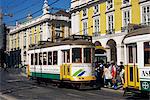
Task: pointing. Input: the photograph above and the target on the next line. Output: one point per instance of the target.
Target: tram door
(132, 68)
(66, 64)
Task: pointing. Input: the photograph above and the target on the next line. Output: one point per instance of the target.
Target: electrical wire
(32, 13)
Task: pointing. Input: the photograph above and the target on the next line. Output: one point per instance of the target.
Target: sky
(21, 8)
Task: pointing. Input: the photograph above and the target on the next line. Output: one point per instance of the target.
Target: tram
(137, 61)
(69, 60)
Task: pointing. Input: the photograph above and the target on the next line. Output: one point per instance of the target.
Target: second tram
(137, 60)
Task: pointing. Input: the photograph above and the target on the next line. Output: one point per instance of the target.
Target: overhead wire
(32, 13)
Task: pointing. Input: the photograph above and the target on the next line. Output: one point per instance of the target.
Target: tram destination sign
(144, 73)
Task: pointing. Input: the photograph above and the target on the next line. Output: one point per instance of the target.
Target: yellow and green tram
(137, 61)
(69, 60)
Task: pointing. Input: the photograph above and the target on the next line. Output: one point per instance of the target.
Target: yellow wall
(38, 33)
(103, 18)
(135, 12)
(90, 21)
(118, 15)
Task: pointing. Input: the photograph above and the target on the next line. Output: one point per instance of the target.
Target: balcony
(124, 29)
(95, 34)
(110, 31)
(145, 24)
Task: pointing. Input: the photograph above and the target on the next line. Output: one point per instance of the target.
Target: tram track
(14, 86)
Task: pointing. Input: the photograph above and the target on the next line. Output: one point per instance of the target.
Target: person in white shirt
(108, 76)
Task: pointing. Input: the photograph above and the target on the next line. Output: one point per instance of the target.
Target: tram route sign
(145, 85)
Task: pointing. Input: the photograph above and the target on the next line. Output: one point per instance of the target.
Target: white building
(47, 27)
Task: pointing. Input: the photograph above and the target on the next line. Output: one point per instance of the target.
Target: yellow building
(47, 27)
(108, 22)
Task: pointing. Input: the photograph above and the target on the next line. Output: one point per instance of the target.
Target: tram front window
(147, 53)
(76, 55)
(87, 55)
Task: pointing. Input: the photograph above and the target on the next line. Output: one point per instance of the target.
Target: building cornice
(37, 21)
(87, 4)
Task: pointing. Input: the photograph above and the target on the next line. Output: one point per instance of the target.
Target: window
(35, 36)
(126, 18)
(146, 15)
(109, 4)
(32, 59)
(96, 25)
(44, 58)
(147, 53)
(58, 26)
(40, 58)
(87, 55)
(12, 43)
(76, 55)
(15, 43)
(58, 34)
(41, 37)
(24, 42)
(36, 59)
(132, 53)
(30, 38)
(84, 12)
(55, 58)
(49, 58)
(85, 28)
(96, 9)
(110, 23)
(18, 40)
(125, 2)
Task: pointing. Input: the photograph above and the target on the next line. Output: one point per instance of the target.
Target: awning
(100, 48)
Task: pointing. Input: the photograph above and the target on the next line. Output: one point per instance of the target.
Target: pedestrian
(107, 76)
(97, 75)
(114, 74)
(122, 71)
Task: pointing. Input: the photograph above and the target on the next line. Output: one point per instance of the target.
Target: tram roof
(67, 41)
(140, 31)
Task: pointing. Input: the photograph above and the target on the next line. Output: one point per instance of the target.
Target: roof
(62, 12)
(140, 31)
(73, 40)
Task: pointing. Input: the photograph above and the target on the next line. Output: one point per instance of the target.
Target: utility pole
(2, 37)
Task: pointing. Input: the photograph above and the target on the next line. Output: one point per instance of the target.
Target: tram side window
(49, 58)
(147, 53)
(76, 55)
(36, 59)
(40, 58)
(87, 55)
(55, 58)
(44, 58)
(32, 59)
(68, 56)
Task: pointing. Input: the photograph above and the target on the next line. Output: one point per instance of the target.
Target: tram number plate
(145, 85)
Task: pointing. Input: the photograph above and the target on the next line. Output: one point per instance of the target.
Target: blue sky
(20, 8)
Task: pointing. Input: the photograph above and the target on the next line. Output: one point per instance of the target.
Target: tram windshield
(76, 55)
(87, 55)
